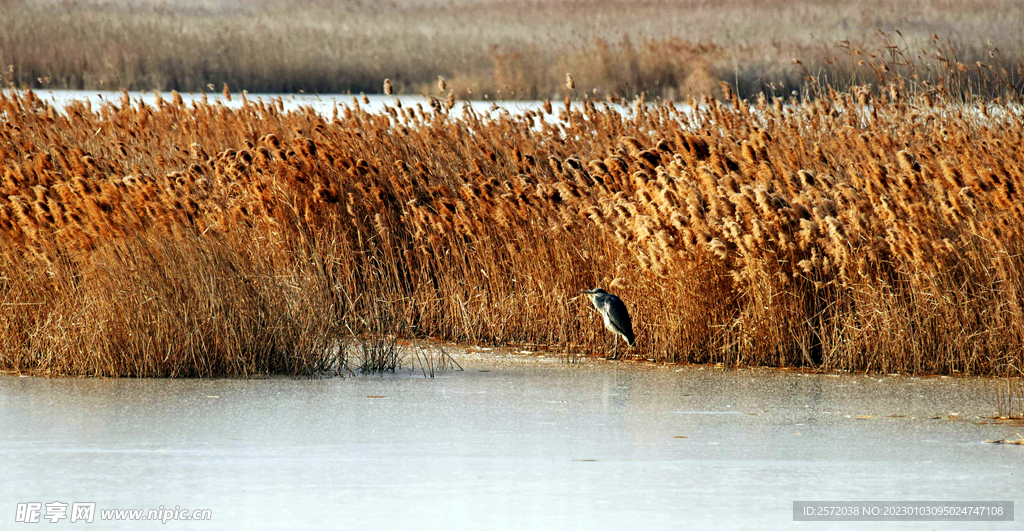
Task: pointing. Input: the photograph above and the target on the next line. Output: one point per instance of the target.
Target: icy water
(511, 442)
(321, 103)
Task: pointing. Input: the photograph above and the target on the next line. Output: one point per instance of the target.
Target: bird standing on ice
(616, 317)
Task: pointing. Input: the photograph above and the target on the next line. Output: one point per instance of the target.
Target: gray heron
(616, 318)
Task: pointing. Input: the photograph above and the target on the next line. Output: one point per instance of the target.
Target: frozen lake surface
(321, 103)
(511, 442)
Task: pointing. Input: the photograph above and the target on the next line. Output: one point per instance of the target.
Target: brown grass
(509, 49)
(864, 231)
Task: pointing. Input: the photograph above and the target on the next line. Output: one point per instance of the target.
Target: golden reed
(863, 231)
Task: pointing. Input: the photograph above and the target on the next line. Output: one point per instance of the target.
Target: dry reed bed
(508, 49)
(862, 231)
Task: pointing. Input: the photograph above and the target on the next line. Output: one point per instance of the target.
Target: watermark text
(53, 512)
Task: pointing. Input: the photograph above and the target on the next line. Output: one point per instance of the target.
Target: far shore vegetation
(510, 49)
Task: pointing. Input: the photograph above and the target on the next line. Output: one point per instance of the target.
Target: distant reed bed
(514, 49)
(863, 230)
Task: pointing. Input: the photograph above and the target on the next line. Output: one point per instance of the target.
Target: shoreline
(478, 357)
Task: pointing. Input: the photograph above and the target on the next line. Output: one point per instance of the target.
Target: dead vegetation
(512, 49)
(868, 230)
(1010, 398)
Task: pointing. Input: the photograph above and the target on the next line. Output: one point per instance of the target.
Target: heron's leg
(615, 355)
